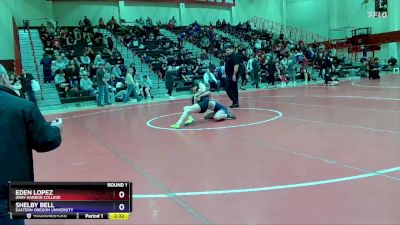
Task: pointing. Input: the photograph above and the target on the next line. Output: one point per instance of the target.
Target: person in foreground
(23, 128)
(201, 102)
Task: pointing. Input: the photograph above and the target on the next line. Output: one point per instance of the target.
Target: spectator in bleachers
(181, 38)
(70, 55)
(146, 87)
(61, 81)
(71, 40)
(135, 42)
(76, 62)
(183, 73)
(131, 86)
(88, 39)
(116, 71)
(73, 81)
(255, 70)
(81, 25)
(15, 84)
(98, 60)
(92, 71)
(291, 69)
(374, 69)
(169, 81)
(46, 62)
(218, 24)
(271, 70)
(56, 43)
(98, 39)
(101, 23)
(170, 25)
(149, 22)
(82, 72)
(133, 69)
(78, 34)
(110, 43)
(210, 80)
(87, 22)
(63, 38)
(116, 83)
(85, 60)
(220, 74)
(86, 84)
(63, 59)
(102, 86)
(26, 82)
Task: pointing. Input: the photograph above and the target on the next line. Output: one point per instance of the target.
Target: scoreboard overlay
(70, 200)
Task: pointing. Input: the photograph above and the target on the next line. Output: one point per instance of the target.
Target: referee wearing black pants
(231, 70)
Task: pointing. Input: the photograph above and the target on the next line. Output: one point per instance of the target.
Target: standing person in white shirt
(249, 67)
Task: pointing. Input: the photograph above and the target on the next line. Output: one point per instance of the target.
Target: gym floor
(301, 155)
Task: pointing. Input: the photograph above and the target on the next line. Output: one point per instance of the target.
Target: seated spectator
(135, 42)
(73, 86)
(58, 64)
(78, 34)
(88, 39)
(98, 60)
(61, 81)
(116, 83)
(71, 40)
(92, 71)
(82, 72)
(64, 59)
(183, 73)
(210, 80)
(146, 58)
(116, 71)
(86, 85)
(146, 87)
(85, 60)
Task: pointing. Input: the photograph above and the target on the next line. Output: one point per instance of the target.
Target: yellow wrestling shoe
(175, 126)
(189, 121)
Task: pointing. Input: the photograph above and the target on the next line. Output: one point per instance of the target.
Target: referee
(231, 70)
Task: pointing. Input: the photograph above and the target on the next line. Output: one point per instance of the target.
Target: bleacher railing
(293, 33)
(35, 62)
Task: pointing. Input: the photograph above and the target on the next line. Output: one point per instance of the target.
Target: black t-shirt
(230, 64)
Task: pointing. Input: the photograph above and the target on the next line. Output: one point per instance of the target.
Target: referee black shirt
(233, 60)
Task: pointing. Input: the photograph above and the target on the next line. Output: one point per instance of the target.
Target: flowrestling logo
(381, 9)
